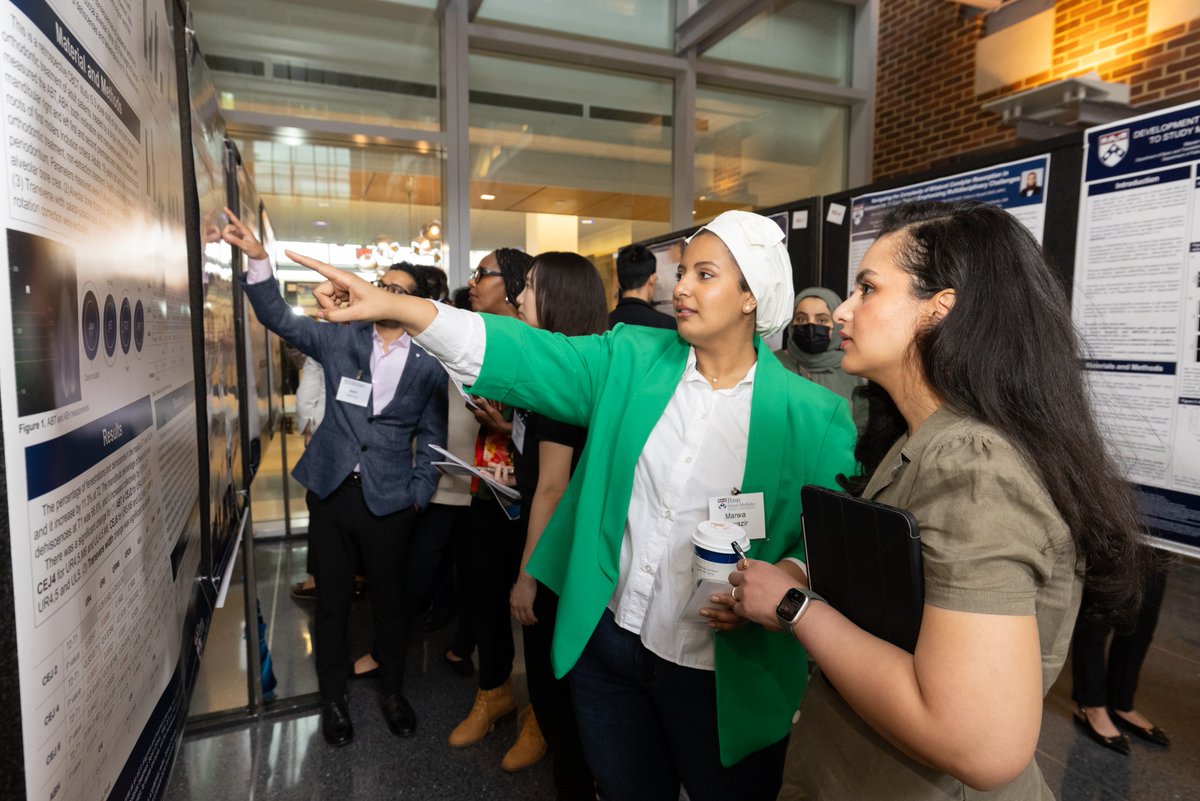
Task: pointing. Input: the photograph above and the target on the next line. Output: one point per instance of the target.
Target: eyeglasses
(395, 289)
(480, 274)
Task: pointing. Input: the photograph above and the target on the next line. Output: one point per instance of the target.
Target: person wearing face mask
(814, 348)
(678, 423)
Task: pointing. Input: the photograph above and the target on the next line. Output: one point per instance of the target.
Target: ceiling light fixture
(487, 196)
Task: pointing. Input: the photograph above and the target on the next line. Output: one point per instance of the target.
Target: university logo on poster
(1113, 147)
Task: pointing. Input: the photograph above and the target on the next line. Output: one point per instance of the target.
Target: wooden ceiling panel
(561, 200)
(390, 187)
(645, 208)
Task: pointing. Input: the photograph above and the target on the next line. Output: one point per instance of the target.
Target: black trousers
(1113, 682)
(430, 554)
(551, 701)
(342, 533)
(491, 559)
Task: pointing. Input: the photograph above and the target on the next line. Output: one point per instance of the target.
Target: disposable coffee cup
(713, 557)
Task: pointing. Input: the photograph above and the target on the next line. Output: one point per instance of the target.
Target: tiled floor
(287, 759)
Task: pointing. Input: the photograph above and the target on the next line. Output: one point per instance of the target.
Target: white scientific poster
(97, 389)
(666, 257)
(1137, 303)
(1018, 187)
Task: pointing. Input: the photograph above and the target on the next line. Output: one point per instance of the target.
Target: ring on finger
(734, 595)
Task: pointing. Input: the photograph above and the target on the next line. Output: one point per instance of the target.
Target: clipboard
(865, 559)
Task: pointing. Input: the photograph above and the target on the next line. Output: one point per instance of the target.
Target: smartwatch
(793, 606)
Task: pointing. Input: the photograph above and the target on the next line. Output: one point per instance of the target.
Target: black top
(635, 311)
(540, 429)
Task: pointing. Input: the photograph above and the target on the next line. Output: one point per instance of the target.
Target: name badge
(518, 432)
(355, 392)
(747, 510)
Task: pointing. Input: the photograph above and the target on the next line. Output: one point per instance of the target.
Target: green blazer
(617, 385)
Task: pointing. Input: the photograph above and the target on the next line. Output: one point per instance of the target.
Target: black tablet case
(865, 559)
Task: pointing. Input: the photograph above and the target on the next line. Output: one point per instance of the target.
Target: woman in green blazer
(674, 421)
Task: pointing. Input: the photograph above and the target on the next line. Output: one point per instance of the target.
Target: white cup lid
(716, 535)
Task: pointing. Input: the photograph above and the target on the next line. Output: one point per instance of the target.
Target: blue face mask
(811, 337)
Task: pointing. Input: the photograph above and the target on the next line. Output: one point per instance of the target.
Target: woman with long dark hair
(564, 294)
(980, 427)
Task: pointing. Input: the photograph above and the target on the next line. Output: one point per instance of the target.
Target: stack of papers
(508, 497)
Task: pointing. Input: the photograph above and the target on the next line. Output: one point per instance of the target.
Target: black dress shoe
(335, 723)
(1119, 743)
(401, 719)
(1152, 734)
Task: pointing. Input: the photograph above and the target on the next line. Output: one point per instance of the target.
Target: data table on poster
(99, 406)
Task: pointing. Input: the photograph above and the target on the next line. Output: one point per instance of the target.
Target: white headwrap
(756, 243)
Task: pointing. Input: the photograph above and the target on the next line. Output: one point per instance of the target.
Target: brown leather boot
(490, 706)
(529, 748)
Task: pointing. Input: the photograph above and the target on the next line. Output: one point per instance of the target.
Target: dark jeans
(1095, 683)
(491, 559)
(649, 725)
(551, 701)
(342, 533)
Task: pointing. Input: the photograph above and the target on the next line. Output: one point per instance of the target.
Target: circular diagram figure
(110, 326)
(126, 325)
(91, 325)
(139, 326)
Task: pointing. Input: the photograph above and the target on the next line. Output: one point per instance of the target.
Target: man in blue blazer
(368, 475)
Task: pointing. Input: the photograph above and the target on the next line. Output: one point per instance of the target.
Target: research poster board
(1137, 303)
(97, 393)
(258, 379)
(220, 348)
(667, 256)
(1019, 187)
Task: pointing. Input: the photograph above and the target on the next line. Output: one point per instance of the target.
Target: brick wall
(927, 111)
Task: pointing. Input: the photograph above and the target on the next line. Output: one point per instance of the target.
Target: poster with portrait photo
(45, 322)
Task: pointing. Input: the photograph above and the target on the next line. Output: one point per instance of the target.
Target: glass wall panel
(754, 151)
(337, 201)
(334, 192)
(565, 158)
(812, 38)
(364, 61)
(644, 23)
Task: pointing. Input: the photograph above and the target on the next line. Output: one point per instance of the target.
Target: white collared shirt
(696, 450)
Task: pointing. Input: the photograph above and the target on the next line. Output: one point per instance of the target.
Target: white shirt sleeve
(257, 270)
(457, 338)
(803, 567)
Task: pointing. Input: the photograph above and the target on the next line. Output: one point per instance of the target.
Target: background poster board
(1137, 303)
(667, 255)
(221, 416)
(99, 411)
(1019, 187)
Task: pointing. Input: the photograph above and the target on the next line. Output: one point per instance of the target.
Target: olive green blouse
(992, 543)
